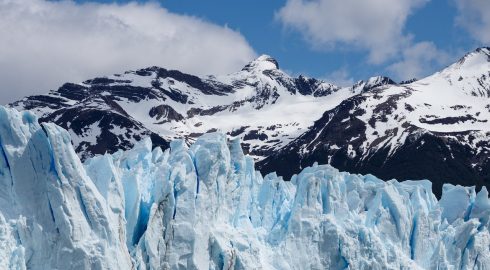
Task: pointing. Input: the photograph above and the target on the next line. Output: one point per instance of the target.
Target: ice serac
(205, 207)
(232, 218)
(52, 216)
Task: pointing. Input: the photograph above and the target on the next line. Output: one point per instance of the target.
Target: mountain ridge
(434, 128)
(365, 126)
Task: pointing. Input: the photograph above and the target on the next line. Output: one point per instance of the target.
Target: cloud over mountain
(373, 25)
(53, 42)
(473, 16)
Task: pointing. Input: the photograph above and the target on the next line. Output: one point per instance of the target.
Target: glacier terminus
(206, 207)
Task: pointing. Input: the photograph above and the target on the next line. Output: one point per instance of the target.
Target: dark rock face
(255, 135)
(426, 157)
(452, 120)
(165, 113)
(81, 120)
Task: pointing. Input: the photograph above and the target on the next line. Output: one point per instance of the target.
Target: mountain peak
(378, 81)
(373, 82)
(485, 50)
(478, 56)
(263, 62)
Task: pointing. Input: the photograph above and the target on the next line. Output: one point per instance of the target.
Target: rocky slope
(436, 128)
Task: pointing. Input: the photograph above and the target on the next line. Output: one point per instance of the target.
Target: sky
(46, 43)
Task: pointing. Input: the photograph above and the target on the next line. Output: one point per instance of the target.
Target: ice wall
(51, 214)
(205, 207)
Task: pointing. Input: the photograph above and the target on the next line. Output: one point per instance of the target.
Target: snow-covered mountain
(205, 207)
(434, 128)
(260, 103)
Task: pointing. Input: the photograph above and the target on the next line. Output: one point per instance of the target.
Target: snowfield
(205, 207)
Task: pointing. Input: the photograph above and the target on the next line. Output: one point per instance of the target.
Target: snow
(464, 84)
(205, 207)
(259, 101)
(89, 134)
(454, 100)
(263, 62)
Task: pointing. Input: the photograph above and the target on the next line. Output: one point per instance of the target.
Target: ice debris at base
(207, 208)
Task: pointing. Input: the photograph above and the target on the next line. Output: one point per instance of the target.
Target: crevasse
(205, 207)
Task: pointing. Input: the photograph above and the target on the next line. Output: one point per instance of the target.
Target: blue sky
(256, 20)
(339, 41)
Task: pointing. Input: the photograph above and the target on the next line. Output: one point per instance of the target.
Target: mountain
(434, 128)
(260, 103)
(205, 207)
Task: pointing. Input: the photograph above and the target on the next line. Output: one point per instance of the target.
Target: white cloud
(474, 16)
(373, 25)
(418, 61)
(43, 43)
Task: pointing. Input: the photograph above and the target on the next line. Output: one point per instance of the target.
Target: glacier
(206, 207)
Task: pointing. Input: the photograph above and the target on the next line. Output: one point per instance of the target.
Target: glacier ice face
(205, 207)
(51, 214)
